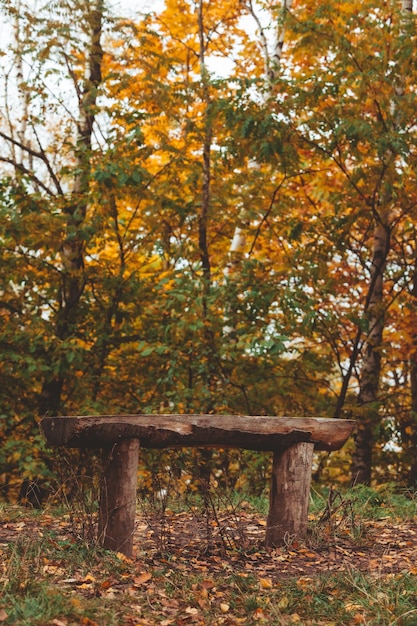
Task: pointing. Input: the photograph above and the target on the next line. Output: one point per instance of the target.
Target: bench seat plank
(265, 433)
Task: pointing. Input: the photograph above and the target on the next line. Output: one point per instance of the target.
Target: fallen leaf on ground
(283, 603)
(191, 610)
(142, 578)
(265, 583)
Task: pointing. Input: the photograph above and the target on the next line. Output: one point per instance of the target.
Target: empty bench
(292, 441)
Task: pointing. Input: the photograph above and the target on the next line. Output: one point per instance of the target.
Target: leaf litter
(191, 568)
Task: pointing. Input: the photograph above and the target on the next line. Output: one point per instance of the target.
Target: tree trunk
(410, 427)
(371, 357)
(239, 244)
(72, 248)
(207, 141)
(371, 360)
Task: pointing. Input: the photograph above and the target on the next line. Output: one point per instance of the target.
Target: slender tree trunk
(203, 222)
(23, 95)
(371, 355)
(207, 141)
(72, 248)
(371, 360)
(205, 455)
(410, 427)
(272, 62)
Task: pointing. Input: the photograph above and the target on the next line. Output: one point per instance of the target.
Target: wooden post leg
(290, 493)
(118, 497)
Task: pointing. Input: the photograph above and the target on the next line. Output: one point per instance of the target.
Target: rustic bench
(291, 439)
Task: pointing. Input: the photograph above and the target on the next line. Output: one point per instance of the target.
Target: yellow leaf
(283, 603)
(265, 583)
(89, 578)
(123, 557)
(224, 607)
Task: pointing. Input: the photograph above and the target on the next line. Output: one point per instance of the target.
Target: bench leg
(118, 497)
(290, 493)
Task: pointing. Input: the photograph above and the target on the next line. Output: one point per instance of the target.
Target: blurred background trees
(210, 207)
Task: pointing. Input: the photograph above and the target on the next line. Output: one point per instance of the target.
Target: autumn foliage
(210, 208)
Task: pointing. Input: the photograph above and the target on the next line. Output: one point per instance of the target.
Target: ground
(382, 547)
(213, 569)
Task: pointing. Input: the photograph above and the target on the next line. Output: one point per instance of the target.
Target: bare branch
(21, 168)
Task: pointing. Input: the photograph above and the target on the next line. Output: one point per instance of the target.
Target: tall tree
(72, 249)
(385, 217)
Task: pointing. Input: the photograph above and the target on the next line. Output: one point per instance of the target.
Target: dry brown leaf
(191, 610)
(258, 614)
(86, 621)
(106, 584)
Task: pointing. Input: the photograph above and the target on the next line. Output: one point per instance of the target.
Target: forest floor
(358, 565)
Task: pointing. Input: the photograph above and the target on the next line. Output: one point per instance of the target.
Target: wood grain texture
(289, 494)
(169, 431)
(117, 507)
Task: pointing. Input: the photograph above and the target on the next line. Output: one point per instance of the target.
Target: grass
(50, 576)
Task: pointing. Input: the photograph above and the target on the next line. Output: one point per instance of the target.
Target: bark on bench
(291, 439)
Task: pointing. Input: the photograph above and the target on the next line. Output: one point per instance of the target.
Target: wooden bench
(292, 441)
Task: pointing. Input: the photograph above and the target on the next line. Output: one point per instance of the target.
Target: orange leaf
(142, 578)
(265, 583)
